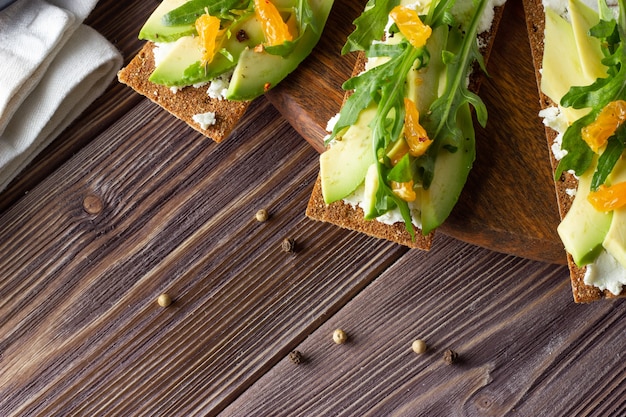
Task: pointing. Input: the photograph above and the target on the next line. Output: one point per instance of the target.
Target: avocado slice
(583, 229)
(344, 164)
(369, 192)
(154, 30)
(181, 66)
(583, 18)
(426, 84)
(257, 71)
(450, 173)
(562, 67)
(615, 239)
(451, 168)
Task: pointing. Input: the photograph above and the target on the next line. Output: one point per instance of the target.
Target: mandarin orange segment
(275, 29)
(608, 198)
(415, 135)
(600, 130)
(411, 26)
(208, 28)
(404, 190)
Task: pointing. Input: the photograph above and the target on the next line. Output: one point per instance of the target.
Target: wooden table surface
(129, 203)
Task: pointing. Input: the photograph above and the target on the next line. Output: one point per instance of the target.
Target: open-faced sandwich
(204, 60)
(401, 148)
(580, 60)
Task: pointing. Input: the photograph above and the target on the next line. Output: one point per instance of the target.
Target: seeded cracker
(186, 102)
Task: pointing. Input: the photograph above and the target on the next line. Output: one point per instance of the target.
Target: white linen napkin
(52, 67)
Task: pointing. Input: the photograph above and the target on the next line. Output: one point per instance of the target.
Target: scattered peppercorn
(339, 336)
(288, 245)
(450, 356)
(164, 300)
(296, 357)
(419, 346)
(262, 215)
(266, 87)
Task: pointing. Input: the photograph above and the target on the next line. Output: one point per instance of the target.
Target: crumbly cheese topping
(205, 120)
(606, 273)
(556, 120)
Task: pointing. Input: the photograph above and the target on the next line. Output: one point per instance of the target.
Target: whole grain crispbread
(349, 217)
(183, 103)
(535, 22)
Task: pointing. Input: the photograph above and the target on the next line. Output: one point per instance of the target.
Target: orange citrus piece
(411, 26)
(208, 28)
(608, 198)
(275, 29)
(600, 130)
(404, 190)
(415, 135)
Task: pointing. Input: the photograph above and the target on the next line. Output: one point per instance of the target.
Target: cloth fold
(53, 67)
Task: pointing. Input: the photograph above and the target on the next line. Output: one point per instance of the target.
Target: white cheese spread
(606, 273)
(555, 119)
(204, 119)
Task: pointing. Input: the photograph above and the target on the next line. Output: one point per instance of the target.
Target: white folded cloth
(52, 67)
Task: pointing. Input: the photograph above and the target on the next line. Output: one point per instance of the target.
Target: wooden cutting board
(508, 204)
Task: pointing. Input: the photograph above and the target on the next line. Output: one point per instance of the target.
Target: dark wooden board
(524, 348)
(508, 204)
(80, 330)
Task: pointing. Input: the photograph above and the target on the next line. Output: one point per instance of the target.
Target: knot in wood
(92, 204)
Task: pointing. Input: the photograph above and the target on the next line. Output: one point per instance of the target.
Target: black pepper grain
(296, 357)
(289, 245)
(242, 36)
(450, 356)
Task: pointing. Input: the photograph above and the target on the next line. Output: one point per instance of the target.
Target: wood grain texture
(84, 333)
(509, 319)
(508, 204)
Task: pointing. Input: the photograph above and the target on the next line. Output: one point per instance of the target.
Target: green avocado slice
(257, 71)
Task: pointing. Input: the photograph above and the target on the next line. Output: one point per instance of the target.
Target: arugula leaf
(370, 25)
(401, 172)
(189, 12)
(608, 159)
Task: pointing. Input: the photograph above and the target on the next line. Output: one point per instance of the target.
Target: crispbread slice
(349, 217)
(184, 103)
(535, 21)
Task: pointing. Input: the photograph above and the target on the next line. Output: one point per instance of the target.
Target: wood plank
(508, 203)
(80, 331)
(524, 347)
